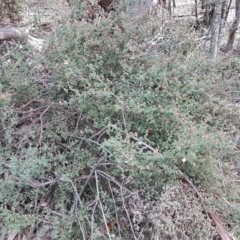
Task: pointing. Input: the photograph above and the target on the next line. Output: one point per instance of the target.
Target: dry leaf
(150, 132)
(110, 226)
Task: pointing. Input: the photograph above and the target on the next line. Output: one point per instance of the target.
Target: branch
(12, 33)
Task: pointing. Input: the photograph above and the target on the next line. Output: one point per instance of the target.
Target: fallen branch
(8, 33)
(223, 234)
(13, 33)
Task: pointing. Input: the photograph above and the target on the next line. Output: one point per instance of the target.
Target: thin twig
(87, 140)
(75, 190)
(79, 118)
(37, 184)
(115, 207)
(100, 203)
(41, 131)
(103, 174)
(100, 137)
(140, 141)
(82, 229)
(146, 145)
(99, 132)
(31, 101)
(91, 173)
(130, 222)
(80, 144)
(192, 185)
(31, 114)
(29, 111)
(58, 214)
(92, 219)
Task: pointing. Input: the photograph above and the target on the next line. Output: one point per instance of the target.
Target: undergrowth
(98, 124)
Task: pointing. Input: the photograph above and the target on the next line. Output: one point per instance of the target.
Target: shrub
(113, 114)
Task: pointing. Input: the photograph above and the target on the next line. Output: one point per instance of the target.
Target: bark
(20, 34)
(228, 9)
(11, 33)
(203, 4)
(234, 27)
(224, 13)
(196, 9)
(207, 6)
(174, 3)
(223, 20)
(215, 30)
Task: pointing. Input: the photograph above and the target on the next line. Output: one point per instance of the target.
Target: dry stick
(141, 142)
(127, 214)
(103, 174)
(58, 214)
(91, 174)
(92, 217)
(102, 131)
(82, 229)
(64, 178)
(41, 133)
(63, 146)
(223, 234)
(80, 143)
(36, 184)
(146, 145)
(192, 185)
(115, 207)
(75, 190)
(27, 116)
(31, 101)
(29, 111)
(100, 136)
(100, 203)
(86, 139)
(79, 118)
(124, 119)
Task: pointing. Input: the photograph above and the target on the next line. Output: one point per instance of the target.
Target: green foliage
(113, 110)
(15, 221)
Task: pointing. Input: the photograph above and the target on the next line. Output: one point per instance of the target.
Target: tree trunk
(203, 4)
(215, 30)
(223, 20)
(207, 6)
(228, 9)
(234, 27)
(196, 9)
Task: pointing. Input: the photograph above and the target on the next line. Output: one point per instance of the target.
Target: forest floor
(56, 12)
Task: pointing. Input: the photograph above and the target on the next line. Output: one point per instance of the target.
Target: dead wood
(13, 33)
